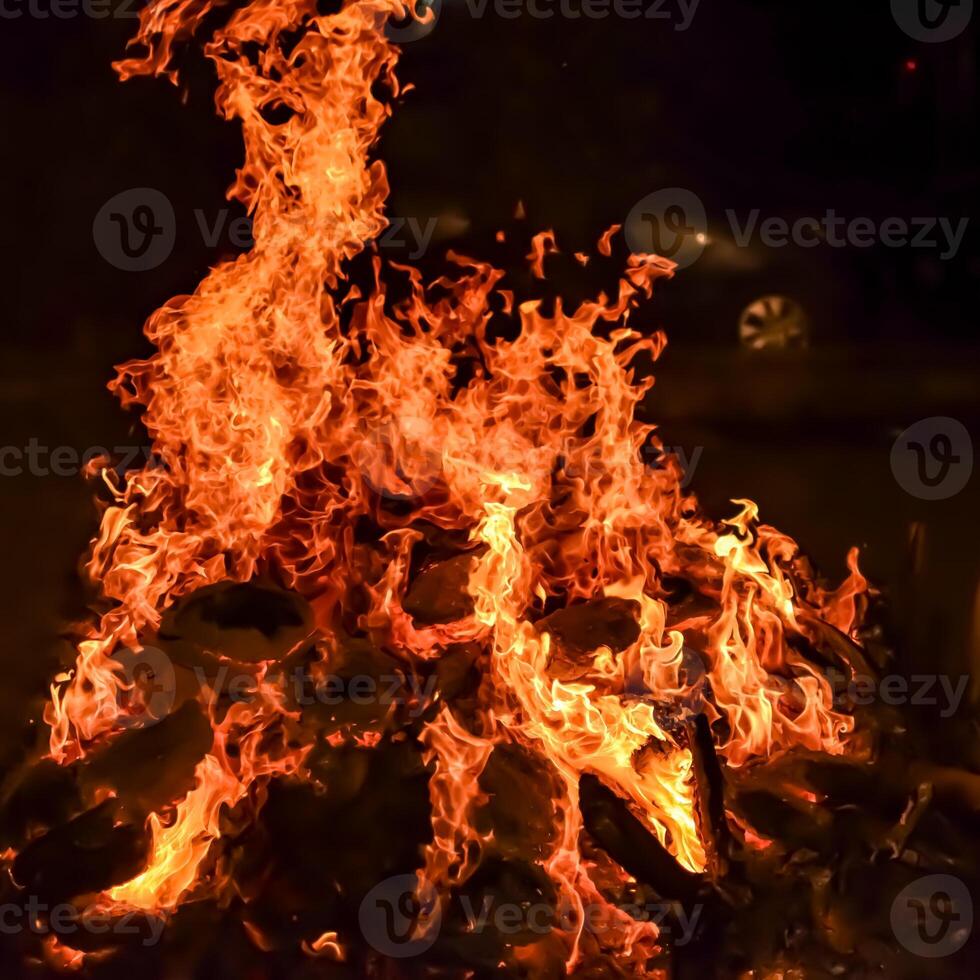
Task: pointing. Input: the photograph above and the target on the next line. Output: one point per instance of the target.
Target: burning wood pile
(404, 663)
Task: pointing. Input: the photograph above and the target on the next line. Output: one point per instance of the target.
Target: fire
(327, 946)
(63, 958)
(179, 848)
(284, 406)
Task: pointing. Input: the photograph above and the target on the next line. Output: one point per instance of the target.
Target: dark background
(792, 108)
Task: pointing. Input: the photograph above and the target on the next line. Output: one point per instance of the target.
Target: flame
(62, 957)
(326, 946)
(178, 849)
(284, 405)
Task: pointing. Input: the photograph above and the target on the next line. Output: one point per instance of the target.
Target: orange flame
(283, 412)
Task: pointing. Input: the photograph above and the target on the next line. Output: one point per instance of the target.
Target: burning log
(148, 768)
(41, 796)
(587, 626)
(521, 791)
(582, 629)
(486, 927)
(438, 595)
(88, 854)
(843, 651)
(710, 781)
(249, 623)
(690, 909)
(312, 854)
(609, 821)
